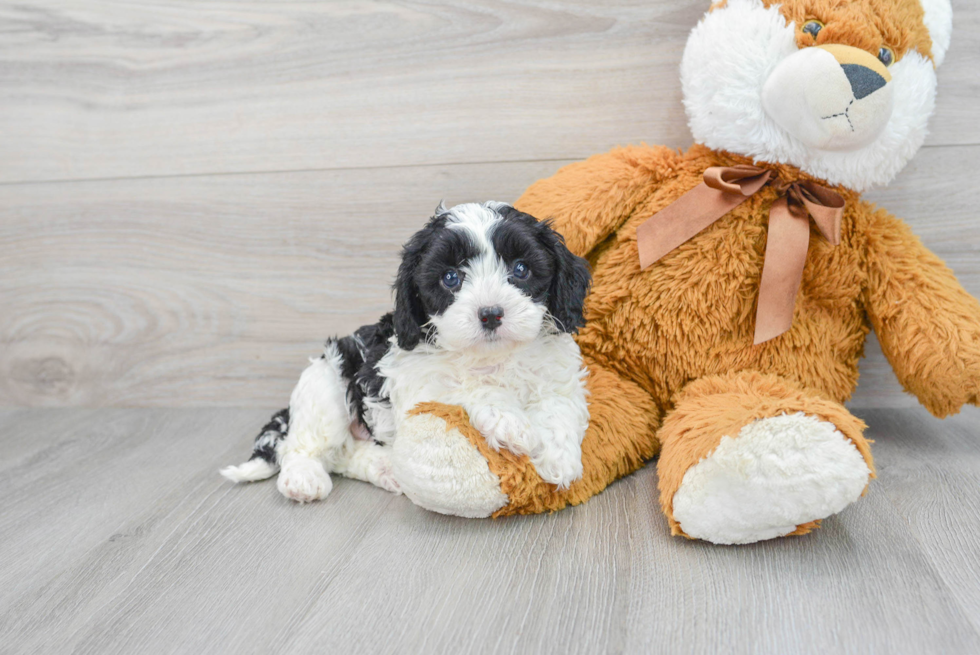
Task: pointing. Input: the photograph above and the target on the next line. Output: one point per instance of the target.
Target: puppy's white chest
(485, 371)
(453, 378)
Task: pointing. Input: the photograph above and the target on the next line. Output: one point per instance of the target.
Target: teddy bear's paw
(303, 479)
(502, 429)
(777, 474)
(440, 470)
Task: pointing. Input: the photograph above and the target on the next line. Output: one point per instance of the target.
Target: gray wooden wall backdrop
(193, 194)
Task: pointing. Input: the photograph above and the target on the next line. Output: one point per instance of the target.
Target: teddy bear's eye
(812, 27)
(886, 56)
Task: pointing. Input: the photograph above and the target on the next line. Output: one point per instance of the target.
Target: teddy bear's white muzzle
(830, 97)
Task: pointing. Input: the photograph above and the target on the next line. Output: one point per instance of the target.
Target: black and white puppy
(486, 301)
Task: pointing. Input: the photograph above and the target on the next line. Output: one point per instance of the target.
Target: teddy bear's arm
(588, 200)
(927, 323)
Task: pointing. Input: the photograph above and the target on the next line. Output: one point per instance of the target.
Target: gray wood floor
(120, 537)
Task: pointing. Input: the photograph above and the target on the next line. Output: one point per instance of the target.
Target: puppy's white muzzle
(831, 97)
(486, 286)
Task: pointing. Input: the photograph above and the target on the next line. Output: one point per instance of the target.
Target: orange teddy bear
(735, 283)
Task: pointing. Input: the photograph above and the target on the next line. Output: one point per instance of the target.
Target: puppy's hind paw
(304, 480)
(386, 477)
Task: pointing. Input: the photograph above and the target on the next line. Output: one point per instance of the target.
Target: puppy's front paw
(559, 466)
(501, 428)
(303, 479)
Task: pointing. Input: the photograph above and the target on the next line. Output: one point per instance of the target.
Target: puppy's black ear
(569, 286)
(409, 315)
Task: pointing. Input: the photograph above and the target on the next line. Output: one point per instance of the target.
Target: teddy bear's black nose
(864, 81)
(490, 317)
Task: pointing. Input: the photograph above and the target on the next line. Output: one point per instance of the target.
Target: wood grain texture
(96, 89)
(204, 290)
(174, 277)
(930, 471)
(212, 290)
(120, 537)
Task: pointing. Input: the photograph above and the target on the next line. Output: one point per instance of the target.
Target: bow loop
(826, 206)
(743, 179)
(723, 189)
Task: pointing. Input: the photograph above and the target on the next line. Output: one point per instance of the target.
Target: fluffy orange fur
(864, 24)
(658, 338)
(670, 348)
(690, 317)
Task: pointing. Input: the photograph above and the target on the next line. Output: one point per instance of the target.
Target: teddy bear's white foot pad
(440, 470)
(779, 473)
(303, 479)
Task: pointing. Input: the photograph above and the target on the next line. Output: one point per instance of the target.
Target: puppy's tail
(250, 471)
(264, 461)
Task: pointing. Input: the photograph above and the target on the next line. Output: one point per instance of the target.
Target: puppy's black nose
(491, 317)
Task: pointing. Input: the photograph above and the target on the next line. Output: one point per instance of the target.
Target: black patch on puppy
(558, 278)
(448, 249)
(360, 354)
(409, 315)
(359, 357)
(350, 355)
(518, 238)
(270, 435)
(419, 292)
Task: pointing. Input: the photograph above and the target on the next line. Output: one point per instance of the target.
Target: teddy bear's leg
(444, 464)
(747, 457)
(438, 466)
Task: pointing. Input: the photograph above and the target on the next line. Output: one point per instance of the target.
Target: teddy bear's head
(842, 89)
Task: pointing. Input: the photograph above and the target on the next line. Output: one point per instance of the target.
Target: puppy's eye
(521, 271)
(812, 27)
(886, 56)
(450, 279)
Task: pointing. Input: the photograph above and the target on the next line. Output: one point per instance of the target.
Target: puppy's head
(482, 276)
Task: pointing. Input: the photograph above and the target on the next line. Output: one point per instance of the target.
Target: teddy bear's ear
(939, 21)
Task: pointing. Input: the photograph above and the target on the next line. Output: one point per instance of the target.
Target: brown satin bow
(726, 187)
